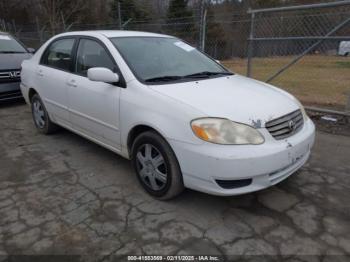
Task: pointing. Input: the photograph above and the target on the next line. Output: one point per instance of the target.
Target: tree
(180, 20)
(20, 16)
(266, 3)
(129, 10)
(60, 15)
(215, 36)
(178, 10)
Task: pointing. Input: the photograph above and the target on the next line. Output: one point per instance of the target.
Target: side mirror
(31, 50)
(101, 74)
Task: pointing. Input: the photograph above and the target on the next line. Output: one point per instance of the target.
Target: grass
(344, 64)
(315, 79)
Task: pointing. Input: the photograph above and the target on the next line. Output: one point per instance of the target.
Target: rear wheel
(156, 166)
(40, 116)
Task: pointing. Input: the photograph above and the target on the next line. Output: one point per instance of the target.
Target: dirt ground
(63, 195)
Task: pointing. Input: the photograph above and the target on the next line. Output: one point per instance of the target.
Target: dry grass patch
(315, 80)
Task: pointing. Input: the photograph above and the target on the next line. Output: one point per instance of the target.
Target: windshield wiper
(206, 74)
(163, 79)
(11, 52)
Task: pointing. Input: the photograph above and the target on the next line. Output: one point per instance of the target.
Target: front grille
(10, 76)
(10, 95)
(285, 126)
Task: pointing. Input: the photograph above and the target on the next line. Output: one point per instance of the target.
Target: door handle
(72, 83)
(40, 73)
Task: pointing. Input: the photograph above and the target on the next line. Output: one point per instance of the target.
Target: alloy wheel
(151, 167)
(39, 114)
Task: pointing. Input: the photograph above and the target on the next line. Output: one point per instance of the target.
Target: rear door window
(59, 54)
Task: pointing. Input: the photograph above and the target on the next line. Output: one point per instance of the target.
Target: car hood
(12, 61)
(235, 97)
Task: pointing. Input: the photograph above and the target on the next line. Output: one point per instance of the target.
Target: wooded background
(226, 32)
(56, 13)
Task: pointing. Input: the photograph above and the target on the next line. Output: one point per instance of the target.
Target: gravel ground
(63, 195)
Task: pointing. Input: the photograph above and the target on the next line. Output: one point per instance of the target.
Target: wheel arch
(177, 184)
(31, 93)
(136, 131)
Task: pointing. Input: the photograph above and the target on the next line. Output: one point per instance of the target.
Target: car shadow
(12, 103)
(249, 200)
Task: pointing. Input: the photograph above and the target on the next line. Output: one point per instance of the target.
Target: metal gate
(299, 49)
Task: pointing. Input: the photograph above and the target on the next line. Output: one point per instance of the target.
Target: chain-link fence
(300, 50)
(295, 48)
(224, 37)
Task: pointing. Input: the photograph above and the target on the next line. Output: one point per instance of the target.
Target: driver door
(94, 106)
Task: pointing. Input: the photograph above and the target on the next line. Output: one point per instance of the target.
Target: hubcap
(151, 167)
(39, 114)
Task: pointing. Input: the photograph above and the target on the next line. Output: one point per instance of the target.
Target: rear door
(55, 68)
(94, 106)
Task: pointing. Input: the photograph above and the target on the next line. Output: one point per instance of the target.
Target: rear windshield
(8, 45)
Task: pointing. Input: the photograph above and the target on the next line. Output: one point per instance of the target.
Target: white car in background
(181, 117)
(344, 48)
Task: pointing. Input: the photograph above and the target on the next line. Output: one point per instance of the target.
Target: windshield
(156, 59)
(10, 45)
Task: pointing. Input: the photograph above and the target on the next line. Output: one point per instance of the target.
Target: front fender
(169, 117)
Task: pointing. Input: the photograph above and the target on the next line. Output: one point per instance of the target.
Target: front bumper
(10, 91)
(266, 165)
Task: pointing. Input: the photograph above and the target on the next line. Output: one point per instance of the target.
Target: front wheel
(156, 166)
(41, 117)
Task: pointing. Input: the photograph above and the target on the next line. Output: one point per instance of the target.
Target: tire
(156, 166)
(40, 116)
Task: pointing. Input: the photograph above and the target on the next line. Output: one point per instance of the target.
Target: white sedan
(181, 117)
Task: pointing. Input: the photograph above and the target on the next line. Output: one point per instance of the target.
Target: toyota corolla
(183, 119)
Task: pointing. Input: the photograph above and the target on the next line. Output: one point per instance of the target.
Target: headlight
(302, 109)
(225, 132)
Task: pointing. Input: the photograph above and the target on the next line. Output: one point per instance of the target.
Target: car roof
(115, 33)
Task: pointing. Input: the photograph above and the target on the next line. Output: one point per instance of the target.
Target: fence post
(38, 29)
(204, 31)
(201, 25)
(14, 27)
(250, 45)
(120, 16)
(3, 25)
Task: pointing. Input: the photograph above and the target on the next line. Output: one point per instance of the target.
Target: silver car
(12, 54)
